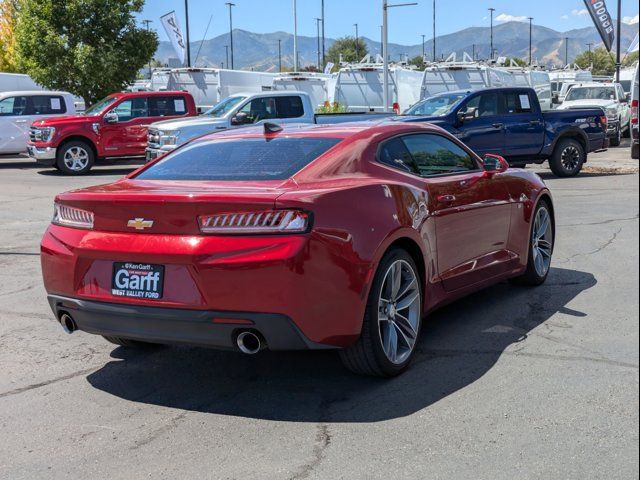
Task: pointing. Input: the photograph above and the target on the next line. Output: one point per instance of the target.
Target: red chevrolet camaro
(307, 237)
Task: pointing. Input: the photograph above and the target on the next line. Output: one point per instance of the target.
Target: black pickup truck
(509, 122)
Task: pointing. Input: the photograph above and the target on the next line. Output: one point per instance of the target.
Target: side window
(486, 104)
(289, 107)
(131, 108)
(517, 102)
(621, 95)
(260, 109)
(166, 106)
(46, 105)
(13, 106)
(394, 153)
(434, 155)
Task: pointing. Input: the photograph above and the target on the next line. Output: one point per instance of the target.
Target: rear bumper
(42, 155)
(207, 328)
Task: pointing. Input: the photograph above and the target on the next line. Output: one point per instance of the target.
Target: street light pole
(146, 24)
(566, 51)
(324, 62)
(618, 42)
(423, 36)
(186, 17)
(357, 48)
(530, 31)
(295, 36)
(230, 32)
(318, 20)
(279, 55)
(226, 53)
(385, 48)
(491, 10)
(434, 30)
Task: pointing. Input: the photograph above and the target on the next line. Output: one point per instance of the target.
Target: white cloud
(630, 20)
(582, 11)
(564, 17)
(505, 17)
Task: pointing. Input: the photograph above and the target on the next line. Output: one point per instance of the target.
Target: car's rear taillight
(270, 221)
(634, 112)
(72, 217)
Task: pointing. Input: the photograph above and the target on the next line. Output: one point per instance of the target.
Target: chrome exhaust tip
(68, 323)
(248, 342)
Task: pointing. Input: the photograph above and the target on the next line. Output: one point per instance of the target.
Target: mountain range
(259, 51)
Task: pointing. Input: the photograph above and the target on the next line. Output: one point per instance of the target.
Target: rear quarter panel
(583, 122)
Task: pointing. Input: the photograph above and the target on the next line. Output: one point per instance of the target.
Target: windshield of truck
(224, 107)
(591, 93)
(100, 106)
(435, 106)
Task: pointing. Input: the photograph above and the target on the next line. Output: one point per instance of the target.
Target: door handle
(497, 125)
(446, 198)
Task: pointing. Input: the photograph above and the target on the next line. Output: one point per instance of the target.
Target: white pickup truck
(235, 111)
(608, 96)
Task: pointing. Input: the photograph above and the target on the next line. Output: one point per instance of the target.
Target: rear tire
(392, 319)
(567, 158)
(75, 158)
(128, 343)
(635, 151)
(541, 242)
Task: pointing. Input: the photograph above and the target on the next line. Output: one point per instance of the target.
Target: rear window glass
(166, 106)
(245, 159)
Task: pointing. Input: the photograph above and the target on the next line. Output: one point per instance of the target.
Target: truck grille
(153, 138)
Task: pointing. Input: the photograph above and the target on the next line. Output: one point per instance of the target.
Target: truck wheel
(635, 153)
(617, 138)
(75, 158)
(391, 321)
(627, 131)
(567, 158)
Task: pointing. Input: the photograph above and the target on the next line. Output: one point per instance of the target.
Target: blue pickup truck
(509, 122)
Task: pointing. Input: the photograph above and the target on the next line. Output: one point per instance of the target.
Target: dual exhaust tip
(247, 341)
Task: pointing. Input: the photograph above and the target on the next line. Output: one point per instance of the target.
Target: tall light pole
(318, 20)
(491, 10)
(473, 52)
(618, 42)
(357, 48)
(186, 17)
(566, 51)
(231, 5)
(423, 36)
(226, 53)
(385, 48)
(146, 24)
(530, 36)
(279, 55)
(295, 36)
(324, 61)
(434, 30)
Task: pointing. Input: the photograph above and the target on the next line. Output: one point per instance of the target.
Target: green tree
(518, 61)
(604, 63)
(8, 17)
(347, 47)
(88, 47)
(630, 59)
(418, 61)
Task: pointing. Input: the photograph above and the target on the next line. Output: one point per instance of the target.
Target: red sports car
(307, 237)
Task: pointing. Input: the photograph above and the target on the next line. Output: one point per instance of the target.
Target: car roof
(32, 93)
(149, 93)
(269, 93)
(340, 130)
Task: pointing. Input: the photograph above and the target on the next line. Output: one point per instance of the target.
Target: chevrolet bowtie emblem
(140, 223)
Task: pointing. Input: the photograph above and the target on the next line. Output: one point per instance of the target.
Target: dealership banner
(602, 20)
(172, 27)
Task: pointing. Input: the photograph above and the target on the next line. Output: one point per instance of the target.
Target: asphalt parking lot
(509, 383)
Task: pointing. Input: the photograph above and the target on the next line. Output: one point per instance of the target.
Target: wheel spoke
(391, 342)
(396, 279)
(408, 300)
(407, 287)
(405, 326)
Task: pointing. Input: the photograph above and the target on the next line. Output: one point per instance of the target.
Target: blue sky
(406, 24)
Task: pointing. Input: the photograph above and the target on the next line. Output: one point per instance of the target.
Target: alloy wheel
(570, 158)
(76, 159)
(399, 311)
(542, 241)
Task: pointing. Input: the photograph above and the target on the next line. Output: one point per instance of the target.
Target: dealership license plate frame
(139, 293)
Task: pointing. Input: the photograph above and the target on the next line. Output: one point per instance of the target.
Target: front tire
(541, 242)
(392, 319)
(567, 158)
(75, 158)
(617, 138)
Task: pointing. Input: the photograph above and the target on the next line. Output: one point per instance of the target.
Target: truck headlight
(43, 134)
(168, 138)
(612, 113)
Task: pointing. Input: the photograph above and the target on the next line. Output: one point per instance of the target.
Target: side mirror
(111, 117)
(467, 115)
(493, 164)
(240, 118)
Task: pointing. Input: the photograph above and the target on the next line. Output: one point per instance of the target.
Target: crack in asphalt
(597, 250)
(48, 382)
(153, 435)
(321, 443)
(603, 222)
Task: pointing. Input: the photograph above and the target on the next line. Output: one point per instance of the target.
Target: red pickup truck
(115, 127)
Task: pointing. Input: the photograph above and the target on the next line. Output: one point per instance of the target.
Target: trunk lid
(170, 207)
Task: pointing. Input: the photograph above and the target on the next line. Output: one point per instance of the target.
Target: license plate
(137, 280)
